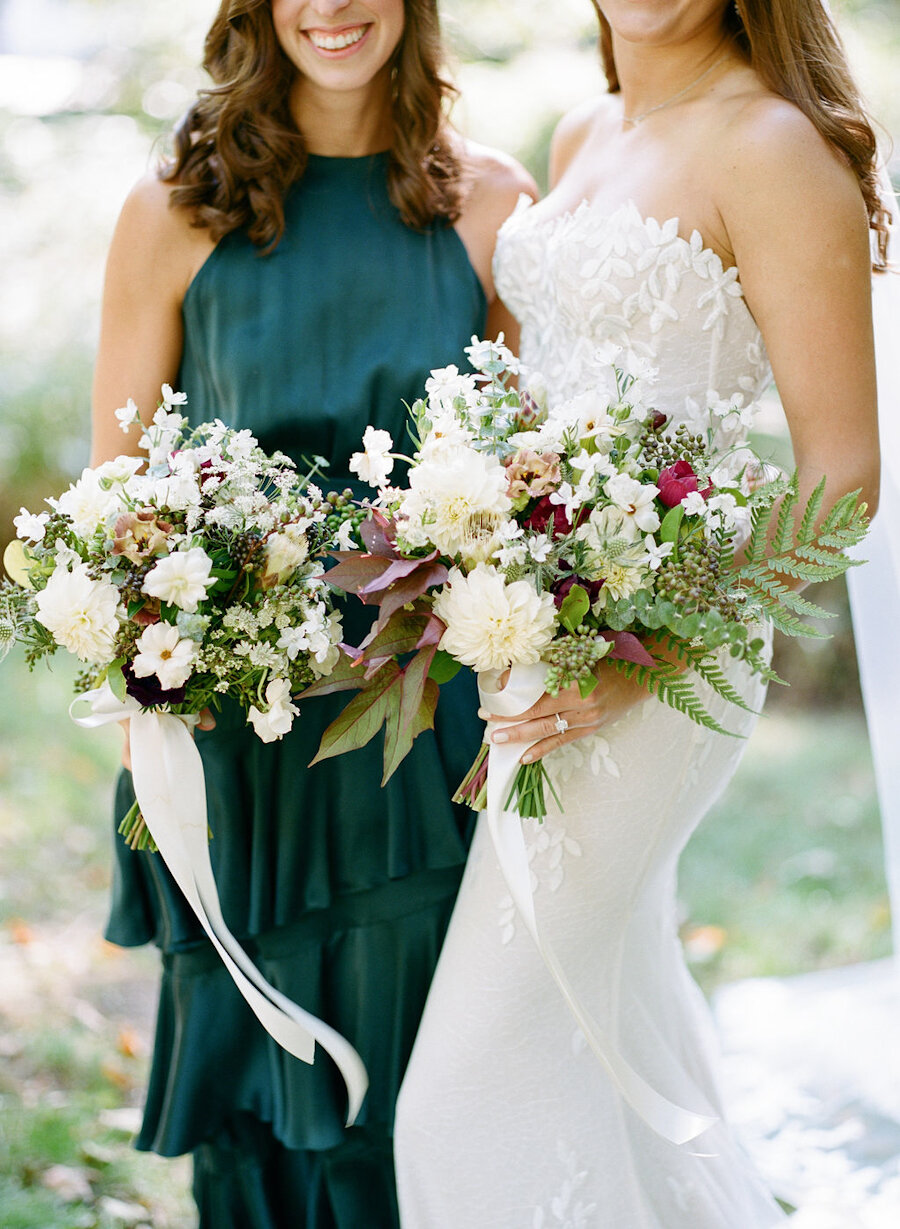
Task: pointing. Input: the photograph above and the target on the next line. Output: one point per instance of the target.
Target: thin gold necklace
(667, 102)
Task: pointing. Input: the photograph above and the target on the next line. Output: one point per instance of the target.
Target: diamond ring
(561, 724)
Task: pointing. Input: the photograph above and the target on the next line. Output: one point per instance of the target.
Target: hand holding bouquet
(596, 531)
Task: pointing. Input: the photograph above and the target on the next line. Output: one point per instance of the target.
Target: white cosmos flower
(454, 495)
(374, 463)
(181, 579)
(490, 624)
(635, 500)
(279, 717)
(161, 651)
(87, 504)
(30, 526)
(80, 613)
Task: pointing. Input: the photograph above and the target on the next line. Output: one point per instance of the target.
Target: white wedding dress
(506, 1118)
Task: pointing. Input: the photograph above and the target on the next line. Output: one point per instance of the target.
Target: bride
(712, 216)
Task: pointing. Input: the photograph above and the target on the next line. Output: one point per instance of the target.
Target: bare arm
(798, 230)
(153, 256)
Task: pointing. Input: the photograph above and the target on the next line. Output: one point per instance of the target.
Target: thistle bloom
(80, 613)
(181, 579)
(161, 651)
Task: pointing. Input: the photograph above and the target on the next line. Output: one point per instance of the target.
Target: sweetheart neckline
(628, 206)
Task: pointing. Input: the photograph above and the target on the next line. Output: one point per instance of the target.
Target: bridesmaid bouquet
(197, 578)
(558, 540)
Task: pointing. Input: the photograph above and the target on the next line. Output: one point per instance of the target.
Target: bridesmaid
(320, 240)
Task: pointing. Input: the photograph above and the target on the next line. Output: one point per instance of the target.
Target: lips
(337, 40)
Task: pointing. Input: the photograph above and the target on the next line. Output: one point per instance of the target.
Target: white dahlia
(454, 494)
(80, 613)
(492, 624)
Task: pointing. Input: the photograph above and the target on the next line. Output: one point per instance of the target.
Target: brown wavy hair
(238, 150)
(796, 51)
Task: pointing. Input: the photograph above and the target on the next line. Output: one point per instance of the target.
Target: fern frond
(783, 538)
(669, 685)
(704, 664)
(807, 529)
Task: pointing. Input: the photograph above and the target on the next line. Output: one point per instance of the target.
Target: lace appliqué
(566, 1210)
(548, 846)
(584, 279)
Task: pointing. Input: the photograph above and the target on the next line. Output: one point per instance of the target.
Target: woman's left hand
(611, 699)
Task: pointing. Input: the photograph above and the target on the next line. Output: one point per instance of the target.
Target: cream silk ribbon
(171, 792)
(524, 688)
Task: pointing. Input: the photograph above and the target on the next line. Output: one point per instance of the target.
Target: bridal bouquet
(200, 577)
(594, 532)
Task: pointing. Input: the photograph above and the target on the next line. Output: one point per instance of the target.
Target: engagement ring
(561, 724)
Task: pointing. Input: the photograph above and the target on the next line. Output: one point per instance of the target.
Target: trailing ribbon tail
(524, 688)
(171, 792)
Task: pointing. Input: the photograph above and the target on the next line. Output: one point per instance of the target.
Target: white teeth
(336, 42)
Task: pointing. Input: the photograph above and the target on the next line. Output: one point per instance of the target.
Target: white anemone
(161, 651)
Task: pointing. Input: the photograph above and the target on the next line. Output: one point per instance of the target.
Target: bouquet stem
(135, 831)
(528, 793)
(473, 790)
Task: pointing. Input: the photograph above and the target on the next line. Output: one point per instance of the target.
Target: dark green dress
(339, 889)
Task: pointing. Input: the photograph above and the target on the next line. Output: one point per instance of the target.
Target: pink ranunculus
(678, 481)
(545, 513)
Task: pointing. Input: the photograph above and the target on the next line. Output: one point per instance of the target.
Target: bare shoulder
(579, 126)
(156, 241)
(494, 181)
(773, 157)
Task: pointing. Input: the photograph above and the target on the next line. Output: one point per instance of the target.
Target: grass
(784, 875)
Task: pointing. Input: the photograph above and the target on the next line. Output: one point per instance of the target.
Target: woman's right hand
(207, 722)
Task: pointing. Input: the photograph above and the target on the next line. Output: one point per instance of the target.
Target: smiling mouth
(339, 40)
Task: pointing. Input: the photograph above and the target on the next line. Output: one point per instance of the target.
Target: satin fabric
(339, 890)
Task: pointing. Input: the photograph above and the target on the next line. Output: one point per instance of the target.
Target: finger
(547, 705)
(541, 748)
(548, 727)
(207, 720)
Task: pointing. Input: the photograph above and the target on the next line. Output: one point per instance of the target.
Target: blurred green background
(784, 876)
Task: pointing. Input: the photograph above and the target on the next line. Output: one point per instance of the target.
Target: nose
(330, 8)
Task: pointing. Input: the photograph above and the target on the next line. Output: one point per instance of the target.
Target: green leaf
(418, 697)
(443, 668)
(671, 523)
(361, 719)
(347, 675)
(116, 679)
(575, 606)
